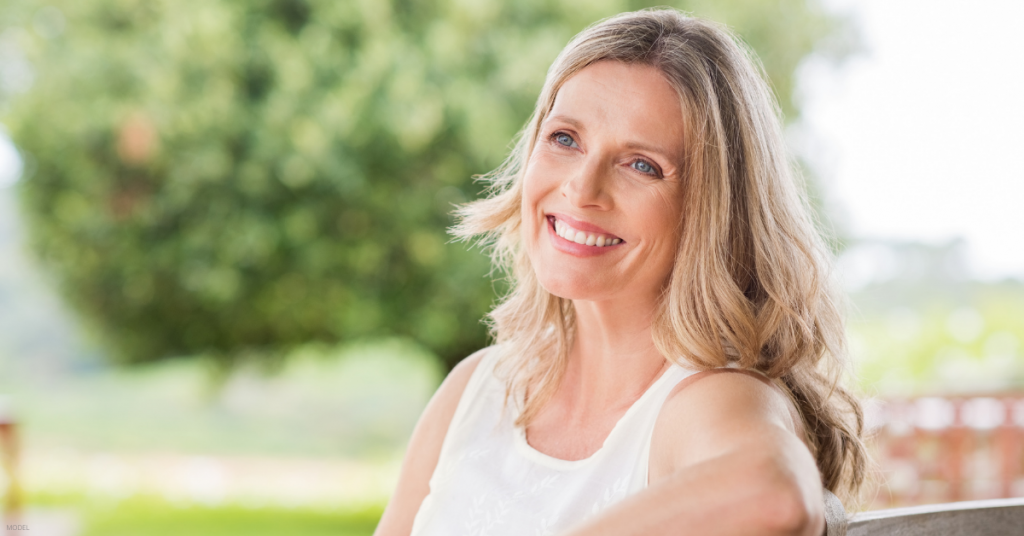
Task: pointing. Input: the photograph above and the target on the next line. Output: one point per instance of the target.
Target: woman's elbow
(787, 508)
(791, 516)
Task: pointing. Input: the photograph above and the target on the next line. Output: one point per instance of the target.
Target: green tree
(221, 177)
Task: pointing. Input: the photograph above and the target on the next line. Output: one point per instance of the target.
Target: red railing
(9, 461)
(943, 449)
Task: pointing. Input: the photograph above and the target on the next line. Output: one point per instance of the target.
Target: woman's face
(602, 193)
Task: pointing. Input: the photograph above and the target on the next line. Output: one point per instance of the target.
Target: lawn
(152, 517)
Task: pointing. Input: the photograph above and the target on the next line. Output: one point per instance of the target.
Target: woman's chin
(574, 288)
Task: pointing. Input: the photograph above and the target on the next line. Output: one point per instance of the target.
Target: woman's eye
(565, 139)
(644, 167)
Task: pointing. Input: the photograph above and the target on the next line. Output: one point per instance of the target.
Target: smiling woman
(655, 238)
(605, 167)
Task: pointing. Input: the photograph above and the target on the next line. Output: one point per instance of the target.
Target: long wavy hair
(752, 281)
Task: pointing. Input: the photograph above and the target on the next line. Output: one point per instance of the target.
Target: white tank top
(490, 482)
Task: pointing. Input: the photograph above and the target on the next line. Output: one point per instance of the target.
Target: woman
(655, 239)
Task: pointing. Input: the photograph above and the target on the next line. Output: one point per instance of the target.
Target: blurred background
(226, 289)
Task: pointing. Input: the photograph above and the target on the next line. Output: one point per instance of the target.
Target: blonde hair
(751, 282)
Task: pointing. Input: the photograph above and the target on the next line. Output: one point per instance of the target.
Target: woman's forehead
(632, 101)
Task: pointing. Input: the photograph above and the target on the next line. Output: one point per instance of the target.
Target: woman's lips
(581, 234)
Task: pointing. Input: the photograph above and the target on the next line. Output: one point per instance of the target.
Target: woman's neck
(612, 362)
(613, 359)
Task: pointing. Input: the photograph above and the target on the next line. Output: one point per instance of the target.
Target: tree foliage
(219, 177)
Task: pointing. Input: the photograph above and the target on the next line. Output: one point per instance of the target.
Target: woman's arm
(424, 450)
(726, 459)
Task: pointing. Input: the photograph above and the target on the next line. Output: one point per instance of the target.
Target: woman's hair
(751, 282)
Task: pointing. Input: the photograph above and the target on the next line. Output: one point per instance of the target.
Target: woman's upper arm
(743, 420)
(424, 450)
(716, 414)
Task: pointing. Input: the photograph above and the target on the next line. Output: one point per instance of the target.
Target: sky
(920, 135)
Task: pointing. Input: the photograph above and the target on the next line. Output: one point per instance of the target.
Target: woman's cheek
(535, 187)
(530, 212)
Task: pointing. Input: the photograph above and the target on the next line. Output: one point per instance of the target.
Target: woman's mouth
(583, 238)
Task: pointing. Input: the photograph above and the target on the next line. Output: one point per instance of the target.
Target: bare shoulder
(433, 424)
(424, 449)
(718, 414)
(446, 399)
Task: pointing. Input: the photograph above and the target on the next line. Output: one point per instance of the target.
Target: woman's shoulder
(454, 385)
(712, 413)
(424, 449)
(442, 407)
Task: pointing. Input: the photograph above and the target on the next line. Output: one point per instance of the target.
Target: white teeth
(565, 231)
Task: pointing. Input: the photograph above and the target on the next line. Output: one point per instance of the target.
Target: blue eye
(564, 139)
(644, 167)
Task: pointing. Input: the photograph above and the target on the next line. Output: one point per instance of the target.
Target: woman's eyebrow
(565, 119)
(650, 148)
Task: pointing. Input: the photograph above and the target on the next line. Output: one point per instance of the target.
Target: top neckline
(546, 460)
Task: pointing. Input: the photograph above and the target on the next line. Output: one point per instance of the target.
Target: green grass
(151, 517)
(359, 400)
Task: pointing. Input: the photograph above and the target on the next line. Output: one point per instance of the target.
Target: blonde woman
(666, 361)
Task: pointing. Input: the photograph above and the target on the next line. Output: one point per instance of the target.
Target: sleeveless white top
(490, 482)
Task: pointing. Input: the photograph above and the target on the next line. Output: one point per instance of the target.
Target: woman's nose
(587, 186)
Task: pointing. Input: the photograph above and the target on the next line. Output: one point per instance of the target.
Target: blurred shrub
(216, 177)
(921, 325)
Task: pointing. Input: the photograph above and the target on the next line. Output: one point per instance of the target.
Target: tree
(222, 177)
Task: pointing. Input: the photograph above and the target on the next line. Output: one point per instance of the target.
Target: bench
(996, 517)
